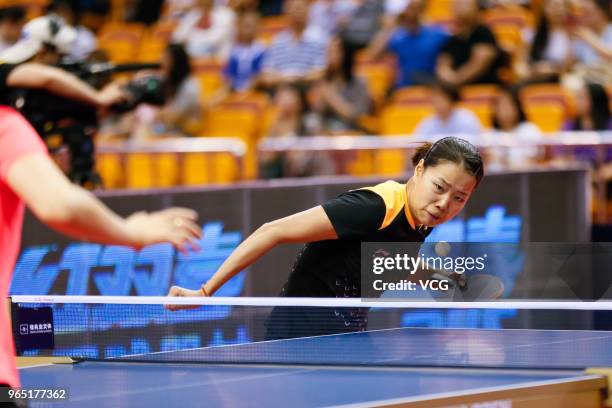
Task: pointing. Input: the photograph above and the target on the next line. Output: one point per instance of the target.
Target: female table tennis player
(27, 174)
(446, 174)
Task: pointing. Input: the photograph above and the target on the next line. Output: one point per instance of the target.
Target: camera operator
(30, 83)
(29, 64)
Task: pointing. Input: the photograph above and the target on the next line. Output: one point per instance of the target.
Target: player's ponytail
(420, 153)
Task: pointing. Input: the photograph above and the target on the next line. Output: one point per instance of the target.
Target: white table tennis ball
(442, 248)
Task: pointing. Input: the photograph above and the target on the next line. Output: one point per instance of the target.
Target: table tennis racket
(479, 288)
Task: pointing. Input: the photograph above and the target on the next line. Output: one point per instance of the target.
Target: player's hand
(177, 291)
(111, 94)
(175, 225)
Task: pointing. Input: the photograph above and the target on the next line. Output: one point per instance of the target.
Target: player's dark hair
(454, 150)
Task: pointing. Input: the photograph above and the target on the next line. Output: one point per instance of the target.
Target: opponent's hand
(111, 94)
(177, 291)
(174, 225)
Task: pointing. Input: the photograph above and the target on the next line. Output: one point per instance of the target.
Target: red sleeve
(17, 139)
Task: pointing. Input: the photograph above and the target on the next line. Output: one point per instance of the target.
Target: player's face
(440, 192)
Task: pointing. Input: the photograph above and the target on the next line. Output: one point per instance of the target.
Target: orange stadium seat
(243, 123)
(479, 93)
(412, 95)
(508, 25)
(270, 26)
(139, 171)
(402, 119)
(121, 40)
(439, 12)
(155, 41)
(209, 73)
(111, 170)
(480, 100)
(378, 77)
(398, 119)
(547, 105)
(166, 170)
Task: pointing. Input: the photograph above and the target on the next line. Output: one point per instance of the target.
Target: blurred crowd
(338, 67)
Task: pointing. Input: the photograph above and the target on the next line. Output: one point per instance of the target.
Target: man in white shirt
(207, 30)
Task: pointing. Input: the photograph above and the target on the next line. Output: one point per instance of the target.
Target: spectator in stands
(85, 42)
(509, 115)
(290, 105)
(592, 109)
(297, 55)
(550, 53)
(12, 20)
(447, 118)
(245, 61)
(472, 55)
(207, 30)
(340, 98)
(594, 36)
(288, 122)
(416, 46)
(361, 26)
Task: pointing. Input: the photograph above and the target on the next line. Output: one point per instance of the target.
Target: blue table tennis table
(407, 367)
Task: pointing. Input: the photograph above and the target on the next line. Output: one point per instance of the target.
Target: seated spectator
(447, 118)
(181, 113)
(290, 122)
(207, 30)
(12, 20)
(341, 98)
(358, 29)
(592, 109)
(550, 53)
(472, 55)
(297, 55)
(509, 117)
(289, 116)
(592, 114)
(594, 44)
(416, 46)
(245, 61)
(85, 42)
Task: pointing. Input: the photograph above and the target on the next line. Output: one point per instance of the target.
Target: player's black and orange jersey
(331, 268)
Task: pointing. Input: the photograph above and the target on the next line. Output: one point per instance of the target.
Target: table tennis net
(317, 332)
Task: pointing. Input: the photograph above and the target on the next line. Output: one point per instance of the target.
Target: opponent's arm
(74, 211)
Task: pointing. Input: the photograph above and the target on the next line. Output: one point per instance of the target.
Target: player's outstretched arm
(307, 226)
(76, 212)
